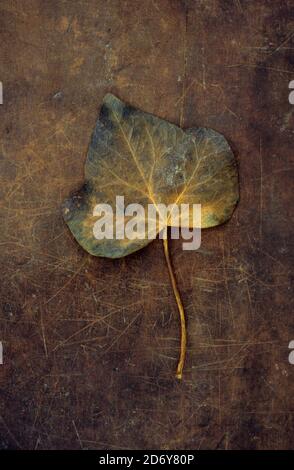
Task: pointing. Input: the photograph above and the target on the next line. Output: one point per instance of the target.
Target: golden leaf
(149, 161)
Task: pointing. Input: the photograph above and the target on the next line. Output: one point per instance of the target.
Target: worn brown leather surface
(90, 345)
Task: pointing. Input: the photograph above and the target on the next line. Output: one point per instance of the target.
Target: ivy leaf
(148, 160)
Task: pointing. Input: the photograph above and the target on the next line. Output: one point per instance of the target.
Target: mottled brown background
(90, 344)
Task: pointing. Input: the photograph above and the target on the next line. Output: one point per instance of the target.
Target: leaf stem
(180, 366)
